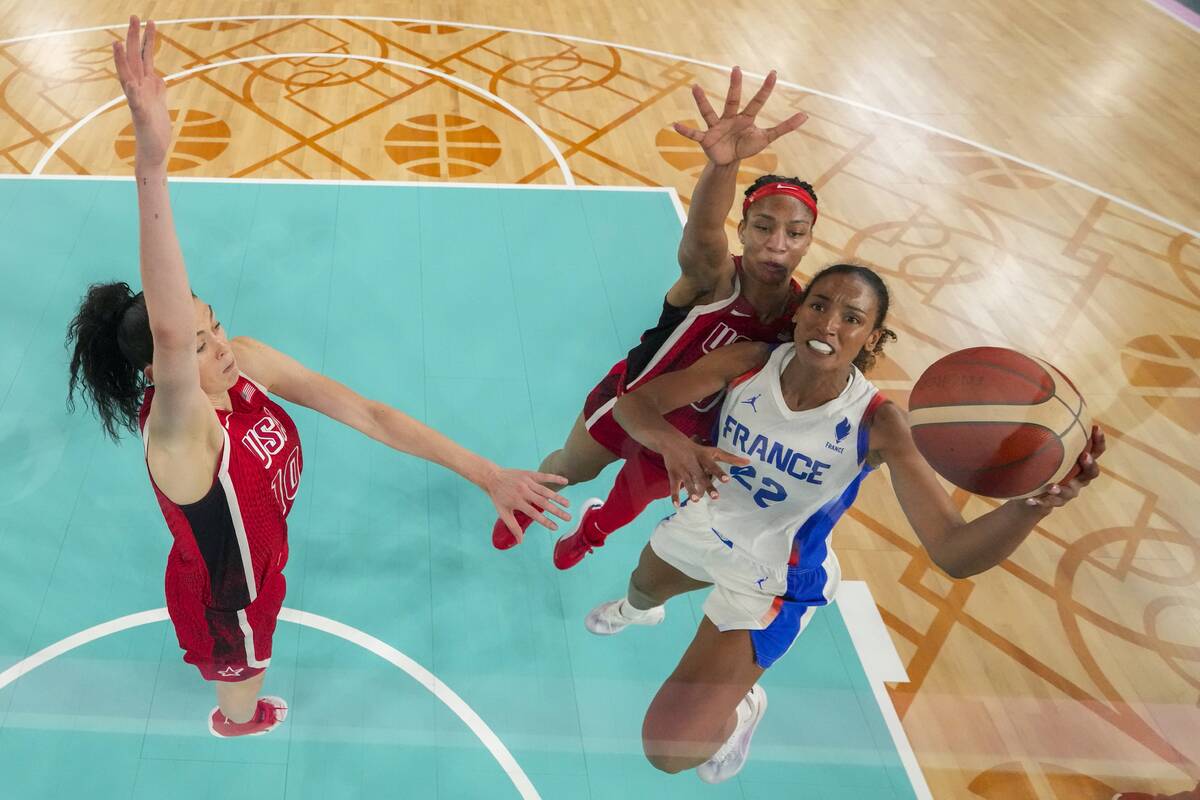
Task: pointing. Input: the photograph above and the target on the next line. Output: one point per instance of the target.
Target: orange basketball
(999, 423)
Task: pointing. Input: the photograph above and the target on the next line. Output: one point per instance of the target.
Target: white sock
(626, 610)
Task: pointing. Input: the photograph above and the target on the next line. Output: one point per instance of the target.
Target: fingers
(1047, 499)
(675, 480)
(547, 477)
(148, 49)
(733, 98)
(1088, 469)
(1099, 443)
(119, 63)
(760, 97)
(703, 106)
(729, 458)
(133, 47)
(787, 126)
(554, 497)
(535, 514)
(510, 522)
(691, 133)
(698, 478)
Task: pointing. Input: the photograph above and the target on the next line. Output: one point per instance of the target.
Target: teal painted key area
(487, 313)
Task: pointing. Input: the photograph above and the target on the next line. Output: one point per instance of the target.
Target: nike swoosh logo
(738, 313)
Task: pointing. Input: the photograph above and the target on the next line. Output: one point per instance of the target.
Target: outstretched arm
(180, 413)
(729, 138)
(958, 547)
(509, 489)
(641, 414)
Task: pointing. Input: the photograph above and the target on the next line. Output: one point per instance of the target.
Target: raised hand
(733, 136)
(695, 467)
(145, 92)
(520, 490)
(1060, 494)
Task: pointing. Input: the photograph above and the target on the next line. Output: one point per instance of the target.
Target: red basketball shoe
(502, 537)
(270, 712)
(572, 546)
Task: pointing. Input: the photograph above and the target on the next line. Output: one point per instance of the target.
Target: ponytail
(112, 345)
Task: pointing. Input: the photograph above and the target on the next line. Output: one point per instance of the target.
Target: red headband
(789, 189)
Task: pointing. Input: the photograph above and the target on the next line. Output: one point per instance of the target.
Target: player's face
(775, 235)
(218, 369)
(836, 321)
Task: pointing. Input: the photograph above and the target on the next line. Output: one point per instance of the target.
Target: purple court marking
(1179, 11)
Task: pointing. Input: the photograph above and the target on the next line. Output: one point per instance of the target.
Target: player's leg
(238, 701)
(580, 459)
(652, 583)
(709, 704)
(641, 480)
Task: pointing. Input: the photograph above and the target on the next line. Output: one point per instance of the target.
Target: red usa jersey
(231, 541)
(685, 334)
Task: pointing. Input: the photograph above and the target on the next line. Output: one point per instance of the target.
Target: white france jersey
(804, 472)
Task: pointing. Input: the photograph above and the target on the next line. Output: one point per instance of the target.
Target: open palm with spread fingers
(733, 136)
(521, 490)
(697, 469)
(145, 91)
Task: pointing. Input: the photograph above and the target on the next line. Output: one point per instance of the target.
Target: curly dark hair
(112, 344)
(865, 359)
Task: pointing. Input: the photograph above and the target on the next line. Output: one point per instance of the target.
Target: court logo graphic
(750, 401)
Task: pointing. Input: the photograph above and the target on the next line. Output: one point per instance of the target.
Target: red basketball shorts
(224, 645)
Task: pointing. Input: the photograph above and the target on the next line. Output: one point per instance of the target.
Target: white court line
(881, 663)
(334, 628)
(568, 178)
(1177, 12)
(646, 51)
(18, 176)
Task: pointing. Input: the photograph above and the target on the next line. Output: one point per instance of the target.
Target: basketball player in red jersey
(224, 458)
(717, 300)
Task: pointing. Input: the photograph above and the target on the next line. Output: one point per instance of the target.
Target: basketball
(999, 423)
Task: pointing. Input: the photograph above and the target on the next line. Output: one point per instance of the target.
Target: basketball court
(438, 212)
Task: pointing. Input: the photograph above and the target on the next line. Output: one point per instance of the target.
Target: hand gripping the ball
(1060, 494)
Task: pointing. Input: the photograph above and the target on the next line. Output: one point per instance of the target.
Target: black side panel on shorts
(212, 526)
(653, 338)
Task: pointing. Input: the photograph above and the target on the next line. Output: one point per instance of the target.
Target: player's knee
(669, 740)
(669, 764)
(659, 752)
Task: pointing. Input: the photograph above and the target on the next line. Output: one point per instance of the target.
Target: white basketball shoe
(729, 760)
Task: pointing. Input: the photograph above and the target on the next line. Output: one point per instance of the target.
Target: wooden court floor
(1071, 671)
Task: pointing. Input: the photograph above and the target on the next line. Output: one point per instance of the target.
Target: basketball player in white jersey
(802, 428)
